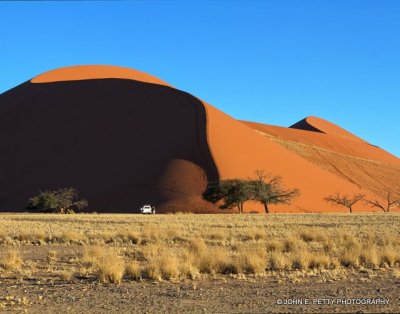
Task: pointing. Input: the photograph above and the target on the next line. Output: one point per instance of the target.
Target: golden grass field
(114, 248)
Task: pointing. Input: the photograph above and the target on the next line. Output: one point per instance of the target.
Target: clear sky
(274, 62)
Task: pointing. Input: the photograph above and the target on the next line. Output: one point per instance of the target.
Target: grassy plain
(181, 248)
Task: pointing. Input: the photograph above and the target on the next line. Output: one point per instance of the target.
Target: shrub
(216, 260)
(277, 261)
(133, 270)
(292, 244)
(187, 268)
(317, 261)
(349, 258)
(105, 262)
(273, 245)
(198, 246)
(11, 261)
(300, 260)
(369, 258)
(311, 235)
(252, 260)
(388, 257)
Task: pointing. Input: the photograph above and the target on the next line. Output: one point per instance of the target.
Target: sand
(124, 138)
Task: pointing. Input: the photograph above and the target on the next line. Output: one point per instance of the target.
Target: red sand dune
(320, 125)
(89, 72)
(365, 165)
(124, 138)
(327, 141)
(238, 151)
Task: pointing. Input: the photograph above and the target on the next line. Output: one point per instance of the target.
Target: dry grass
(389, 256)
(320, 261)
(273, 245)
(252, 260)
(174, 247)
(198, 246)
(277, 261)
(133, 270)
(11, 261)
(217, 235)
(369, 258)
(67, 274)
(163, 266)
(51, 256)
(105, 263)
(292, 244)
(312, 235)
(213, 260)
(187, 268)
(300, 260)
(129, 237)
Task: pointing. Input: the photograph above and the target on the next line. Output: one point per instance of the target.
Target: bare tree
(344, 200)
(391, 202)
(269, 190)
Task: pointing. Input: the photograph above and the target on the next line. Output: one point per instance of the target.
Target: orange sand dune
(320, 125)
(88, 72)
(330, 142)
(124, 138)
(367, 166)
(238, 151)
(121, 142)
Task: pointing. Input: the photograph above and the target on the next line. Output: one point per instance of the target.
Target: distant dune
(124, 138)
(367, 166)
(316, 124)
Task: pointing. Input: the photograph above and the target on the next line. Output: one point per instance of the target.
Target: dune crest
(89, 72)
(316, 124)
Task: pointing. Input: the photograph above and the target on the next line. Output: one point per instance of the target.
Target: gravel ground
(212, 295)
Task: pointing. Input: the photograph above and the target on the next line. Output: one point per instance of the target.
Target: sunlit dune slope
(239, 151)
(367, 166)
(338, 144)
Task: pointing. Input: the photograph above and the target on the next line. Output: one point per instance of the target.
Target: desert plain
(98, 263)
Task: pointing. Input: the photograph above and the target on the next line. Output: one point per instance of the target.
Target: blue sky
(274, 62)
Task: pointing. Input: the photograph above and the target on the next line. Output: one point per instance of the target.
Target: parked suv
(148, 209)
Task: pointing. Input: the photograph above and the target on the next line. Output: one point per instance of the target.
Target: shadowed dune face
(122, 143)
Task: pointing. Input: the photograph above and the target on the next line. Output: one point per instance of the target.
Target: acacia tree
(269, 190)
(344, 200)
(391, 202)
(262, 189)
(233, 192)
(59, 201)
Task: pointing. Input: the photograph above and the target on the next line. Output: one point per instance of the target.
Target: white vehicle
(147, 209)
